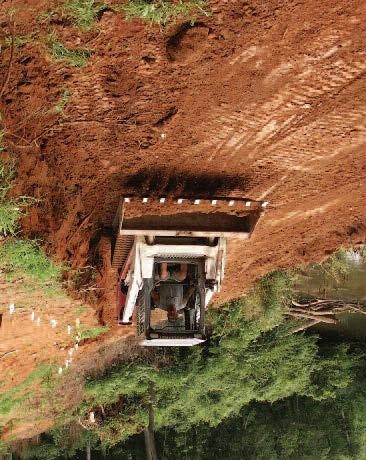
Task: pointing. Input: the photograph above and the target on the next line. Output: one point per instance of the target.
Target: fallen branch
(318, 313)
(312, 313)
(319, 306)
(305, 326)
(324, 319)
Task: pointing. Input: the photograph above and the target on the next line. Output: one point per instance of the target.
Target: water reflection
(351, 286)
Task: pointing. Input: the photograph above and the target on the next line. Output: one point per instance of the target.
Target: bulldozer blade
(193, 217)
(122, 250)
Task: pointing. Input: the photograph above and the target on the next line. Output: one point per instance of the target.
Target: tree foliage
(255, 390)
(248, 359)
(295, 428)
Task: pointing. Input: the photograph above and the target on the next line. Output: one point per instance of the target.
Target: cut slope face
(272, 98)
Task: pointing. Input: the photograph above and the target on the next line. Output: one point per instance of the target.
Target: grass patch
(21, 40)
(93, 332)
(63, 101)
(21, 392)
(11, 209)
(25, 258)
(46, 16)
(81, 310)
(85, 12)
(78, 57)
(163, 12)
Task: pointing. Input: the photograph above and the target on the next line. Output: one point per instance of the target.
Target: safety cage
(190, 324)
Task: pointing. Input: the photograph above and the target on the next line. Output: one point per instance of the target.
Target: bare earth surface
(34, 340)
(27, 342)
(265, 99)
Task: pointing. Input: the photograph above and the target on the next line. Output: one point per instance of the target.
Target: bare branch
(324, 319)
(305, 326)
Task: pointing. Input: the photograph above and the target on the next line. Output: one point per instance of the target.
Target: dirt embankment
(261, 99)
(268, 98)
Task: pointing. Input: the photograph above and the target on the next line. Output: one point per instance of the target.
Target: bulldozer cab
(188, 327)
(175, 231)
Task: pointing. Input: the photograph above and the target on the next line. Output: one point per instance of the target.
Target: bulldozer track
(122, 249)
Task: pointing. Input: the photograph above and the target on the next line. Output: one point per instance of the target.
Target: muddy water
(351, 287)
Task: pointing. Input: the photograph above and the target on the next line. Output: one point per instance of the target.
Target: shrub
(7, 172)
(11, 209)
(25, 258)
(262, 309)
(336, 267)
(84, 12)
(9, 216)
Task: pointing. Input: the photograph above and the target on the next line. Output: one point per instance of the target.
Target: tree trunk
(88, 452)
(149, 432)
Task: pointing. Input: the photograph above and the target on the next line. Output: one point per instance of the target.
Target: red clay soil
(265, 99)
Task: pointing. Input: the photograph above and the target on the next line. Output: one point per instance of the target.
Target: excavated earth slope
(265, 99)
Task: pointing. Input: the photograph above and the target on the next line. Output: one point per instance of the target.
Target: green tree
(249, 359)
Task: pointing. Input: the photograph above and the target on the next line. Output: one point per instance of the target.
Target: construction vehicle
(175, 231)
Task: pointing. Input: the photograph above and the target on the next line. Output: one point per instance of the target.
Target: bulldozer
(179, 235)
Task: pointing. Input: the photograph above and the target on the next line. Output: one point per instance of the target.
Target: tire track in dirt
(291, 129)
(257, 132)
(91, 98)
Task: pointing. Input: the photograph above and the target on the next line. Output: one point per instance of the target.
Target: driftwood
(321, 311)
